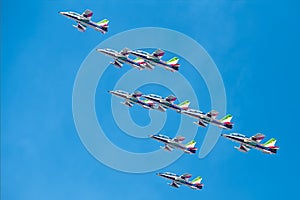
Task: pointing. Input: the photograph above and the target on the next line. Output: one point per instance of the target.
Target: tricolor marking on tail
(184, 105)
(197, 180)
(270, 143)
(173, 62)
(103, 23)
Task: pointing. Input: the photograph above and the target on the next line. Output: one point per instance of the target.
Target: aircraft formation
(144, 60)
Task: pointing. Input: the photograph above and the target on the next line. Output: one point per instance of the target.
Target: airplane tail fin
(174, 63)
(104, 24)
(270, 143)
(184, 105)
(227, 121)
(191, 146)
(197, 180)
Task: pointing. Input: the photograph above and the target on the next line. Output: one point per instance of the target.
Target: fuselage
(248, 142)
(121, 58)
(152, 59)
(131, 98)
(82, 20)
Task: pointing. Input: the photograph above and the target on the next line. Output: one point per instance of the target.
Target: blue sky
(254, 45)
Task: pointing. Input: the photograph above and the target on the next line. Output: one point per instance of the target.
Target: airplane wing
(173, 184)
(171, 98)
(80, 27)
(179, 139)
(201, 123)
(158, 53)
(243, 148)
(117, 63)
(87, 14)
(167, 148)
(148, 65)
(186, 176)
(161, 108)
(212, 114)
(137, 94)
(127, 103)
(258, 137)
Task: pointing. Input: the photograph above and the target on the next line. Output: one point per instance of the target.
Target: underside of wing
(127, 103)
(201, 123)
(243, 148)
(117, 63)
(167, 148)
(80, 27)
(173, 184)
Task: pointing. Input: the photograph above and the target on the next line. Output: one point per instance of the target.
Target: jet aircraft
(168, 102)
(253, 142)
(83, 20)
(131, 99)
(154, 59)
(209, 118)
(176, 142)
(182, 180)
(122, 57)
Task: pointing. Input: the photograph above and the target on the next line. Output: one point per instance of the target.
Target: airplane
(154, 59)
(253, 142)
(182, 180)
(168, 102)
(131, 99)
(209, 118)
(122, 57)
(83, 20)
(170, 143)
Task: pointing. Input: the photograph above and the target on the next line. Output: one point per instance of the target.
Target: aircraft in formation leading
(247, 143)
(182, 180)
(83, 20)
(172, 143)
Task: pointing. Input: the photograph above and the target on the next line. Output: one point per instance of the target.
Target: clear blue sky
(255, 45)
